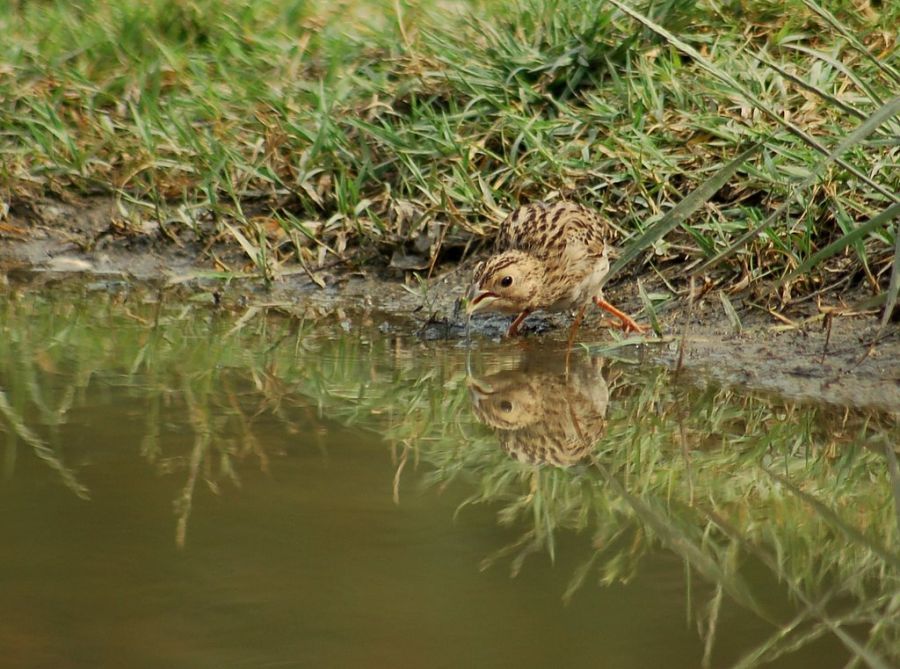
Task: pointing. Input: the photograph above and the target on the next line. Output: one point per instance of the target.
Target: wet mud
(844, 359)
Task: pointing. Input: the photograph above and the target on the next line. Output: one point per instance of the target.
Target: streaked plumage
(547, 256)
(542, 417)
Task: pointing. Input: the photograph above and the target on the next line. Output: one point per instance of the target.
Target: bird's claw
(632, 326)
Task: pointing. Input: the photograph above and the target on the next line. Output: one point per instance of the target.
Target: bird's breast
(590, 286)
(574, 286)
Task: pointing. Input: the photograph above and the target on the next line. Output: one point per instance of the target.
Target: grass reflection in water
(626, 458)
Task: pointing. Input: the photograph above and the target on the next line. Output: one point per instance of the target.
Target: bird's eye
(505, 406)
(506, 281)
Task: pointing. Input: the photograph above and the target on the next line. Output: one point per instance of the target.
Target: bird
(552, 257)
(541, 416)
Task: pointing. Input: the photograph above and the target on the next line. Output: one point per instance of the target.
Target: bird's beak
(479, 300)
(479, 388)
(478, 393)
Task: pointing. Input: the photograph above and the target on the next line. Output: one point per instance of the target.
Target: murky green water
(191, 487)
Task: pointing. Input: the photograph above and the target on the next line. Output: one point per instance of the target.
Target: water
(190, 487)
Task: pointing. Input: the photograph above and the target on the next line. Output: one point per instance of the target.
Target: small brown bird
(547, 256)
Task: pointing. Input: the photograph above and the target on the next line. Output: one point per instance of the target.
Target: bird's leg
(572, 332)
(628, 323)
(514, 328)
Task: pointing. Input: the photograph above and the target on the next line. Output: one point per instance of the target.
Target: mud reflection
(541, 414)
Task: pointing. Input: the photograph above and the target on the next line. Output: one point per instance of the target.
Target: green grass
(304, 132)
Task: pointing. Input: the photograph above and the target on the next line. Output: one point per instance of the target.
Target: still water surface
(190, 487)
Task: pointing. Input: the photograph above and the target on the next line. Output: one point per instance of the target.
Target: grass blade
(838, 245)
(747, 94)
(731, 313)
(649, 309)
(850, 37)
(799, 81)
(681, 211)
(838, 65)
(852, 533)
(894, 285)
(887, 111)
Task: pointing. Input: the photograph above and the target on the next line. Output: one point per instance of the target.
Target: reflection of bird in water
(541, 416)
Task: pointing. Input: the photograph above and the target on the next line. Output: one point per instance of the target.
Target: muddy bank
(801, 354)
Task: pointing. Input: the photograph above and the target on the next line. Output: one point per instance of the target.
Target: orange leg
(628, 323)
(514, 328)
(572, 332)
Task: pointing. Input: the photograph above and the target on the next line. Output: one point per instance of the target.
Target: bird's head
(506, 400)
(508, 282)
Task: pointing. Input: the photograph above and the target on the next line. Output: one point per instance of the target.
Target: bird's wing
(517, 231)
(561, 229)
(585, 239)
(590, 229)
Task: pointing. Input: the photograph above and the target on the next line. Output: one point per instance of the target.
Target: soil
(804, 354)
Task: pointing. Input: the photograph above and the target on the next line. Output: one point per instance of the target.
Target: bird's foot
(514, 326)
(626, 322)
(628, 325)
